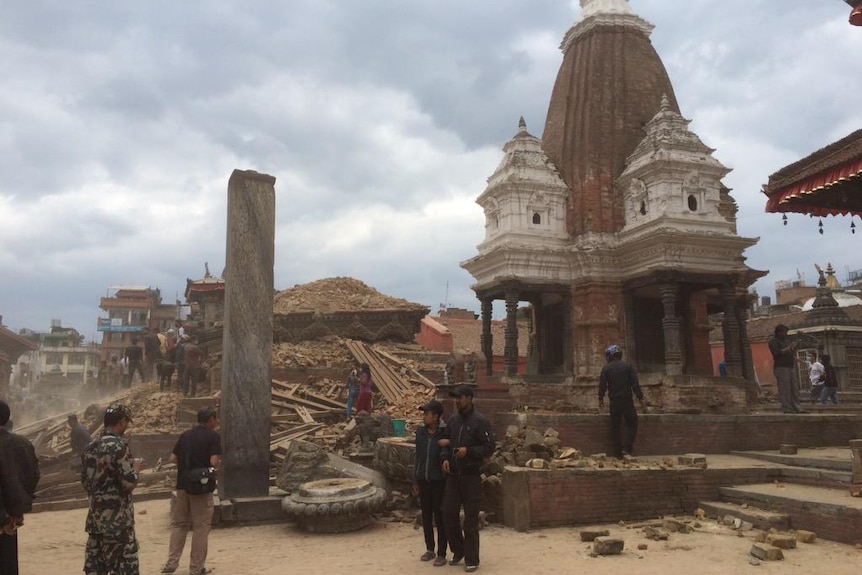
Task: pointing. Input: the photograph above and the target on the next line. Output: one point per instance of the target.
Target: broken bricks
(608, 546)
(766, 552)
(591, 535)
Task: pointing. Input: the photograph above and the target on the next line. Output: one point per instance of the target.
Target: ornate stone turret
(525, 224)
(672, 179)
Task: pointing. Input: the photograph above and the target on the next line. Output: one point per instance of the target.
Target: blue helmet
(613, 350)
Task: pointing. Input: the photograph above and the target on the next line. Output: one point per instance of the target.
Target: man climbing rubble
(619, 380)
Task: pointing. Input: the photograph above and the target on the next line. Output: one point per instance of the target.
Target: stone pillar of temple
(744, 342)
(247, 342)
(487, 339)
(700, 354)
(670, 325)
(631, 337)
(511, 350)
(730, 330)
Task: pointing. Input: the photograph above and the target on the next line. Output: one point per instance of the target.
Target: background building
(127, 311)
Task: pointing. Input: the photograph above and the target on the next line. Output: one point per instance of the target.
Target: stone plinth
(247, 340)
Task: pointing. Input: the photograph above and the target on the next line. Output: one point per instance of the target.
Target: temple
(615, 226)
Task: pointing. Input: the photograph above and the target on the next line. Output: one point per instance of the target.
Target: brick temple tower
(615, 226)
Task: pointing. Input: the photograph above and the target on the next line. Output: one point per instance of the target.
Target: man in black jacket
(466, 442)
(19, 476)
(620, 381)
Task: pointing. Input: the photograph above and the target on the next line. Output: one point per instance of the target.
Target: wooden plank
(303, 414)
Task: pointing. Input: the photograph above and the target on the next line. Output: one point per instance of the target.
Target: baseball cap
(115, 413)
(461, 391)
(433, 406)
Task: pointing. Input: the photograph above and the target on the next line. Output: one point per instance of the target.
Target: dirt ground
(53, 542)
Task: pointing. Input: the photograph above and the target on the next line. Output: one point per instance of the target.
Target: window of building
(537, 218)
(77, 358)
(692, 203)
(53, 358)
(854, 368)
(643, 208)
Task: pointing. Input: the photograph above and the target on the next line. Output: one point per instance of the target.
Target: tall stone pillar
(669, 293)
(511, 351)
(247, 343)
(487, 339)
(631, 337)
(730, 330)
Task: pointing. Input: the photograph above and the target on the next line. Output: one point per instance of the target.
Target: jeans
(8, 554)
(622, 409)
(830, 393)
(463, 490)
(352, 396)
(431, 500)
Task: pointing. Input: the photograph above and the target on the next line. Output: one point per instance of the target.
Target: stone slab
(781, 540)
(804, 536)
(591, 535)
(757, 517)
(245, 510)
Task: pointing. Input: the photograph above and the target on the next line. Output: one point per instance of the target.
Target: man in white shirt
(815, 375)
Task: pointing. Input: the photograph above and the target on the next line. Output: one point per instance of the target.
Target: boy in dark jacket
(428, 482)
(467, 441)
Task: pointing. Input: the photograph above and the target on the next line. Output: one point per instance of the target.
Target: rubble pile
(336, 294)
(327, 352)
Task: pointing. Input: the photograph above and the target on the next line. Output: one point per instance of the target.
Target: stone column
(247, 342)
(487, 339)
(730, 331)
(670, 325)
(511, 353)
(631, 335)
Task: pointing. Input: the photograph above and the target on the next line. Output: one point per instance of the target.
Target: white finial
(592, 7)
(665, 103)
(522, 126)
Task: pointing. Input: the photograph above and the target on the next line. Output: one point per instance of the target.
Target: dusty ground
(53, 542)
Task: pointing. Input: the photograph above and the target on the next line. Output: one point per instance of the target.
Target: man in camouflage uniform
(109, 474)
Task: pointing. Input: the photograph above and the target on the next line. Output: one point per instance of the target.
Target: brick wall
(664, 434)
(538, 498)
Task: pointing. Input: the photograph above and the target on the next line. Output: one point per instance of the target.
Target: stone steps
(831, 513)
(799, 460)
(758, 517)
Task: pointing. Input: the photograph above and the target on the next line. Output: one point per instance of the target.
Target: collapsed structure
(615, 225)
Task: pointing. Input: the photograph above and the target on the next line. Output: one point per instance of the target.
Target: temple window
(537, 218)
(692, 203)
(643, 208)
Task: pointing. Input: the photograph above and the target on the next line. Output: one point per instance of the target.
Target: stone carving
(449, 373)
(470, 368)
(334, 505)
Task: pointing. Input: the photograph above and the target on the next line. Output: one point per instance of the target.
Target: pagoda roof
(826, 182)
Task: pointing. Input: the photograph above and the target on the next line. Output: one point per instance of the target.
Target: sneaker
(441, 560)
(455, 559)
(470, 568)
(427, 556)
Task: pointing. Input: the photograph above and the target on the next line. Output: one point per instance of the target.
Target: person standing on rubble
(619, 380)
(466, 442)
(134, 357)
(19, 476)
(79, 438)
(109, 475)
(194, 357)
(429, 483)
(366, 390)
(152, 352)
(352, 390)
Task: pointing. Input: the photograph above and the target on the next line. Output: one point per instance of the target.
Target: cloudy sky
(120, 123)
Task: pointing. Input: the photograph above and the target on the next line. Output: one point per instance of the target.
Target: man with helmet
(620, 381)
